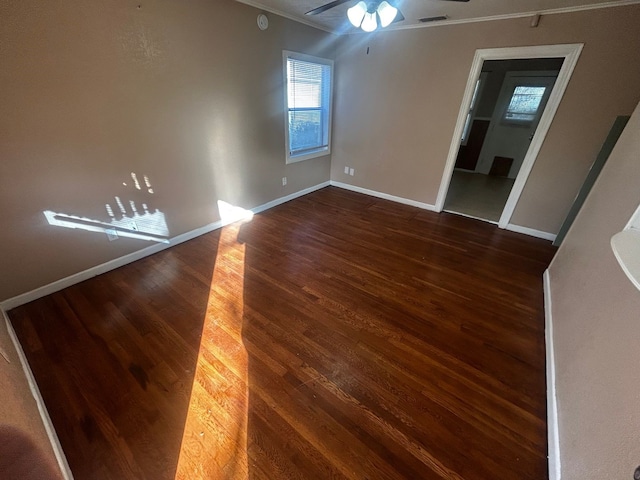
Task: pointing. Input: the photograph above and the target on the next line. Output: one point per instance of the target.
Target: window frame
(321, 151)
(473, 107)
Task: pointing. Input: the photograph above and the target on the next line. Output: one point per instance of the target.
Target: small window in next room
(524, 104)
(308, 90)
(477, 92)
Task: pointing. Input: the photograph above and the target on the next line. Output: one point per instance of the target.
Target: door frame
(570, 53)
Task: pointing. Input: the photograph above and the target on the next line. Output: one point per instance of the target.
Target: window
(308, 90)
(472, 108)
(524, 104)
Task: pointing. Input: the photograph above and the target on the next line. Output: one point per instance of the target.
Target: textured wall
(397, 105)
(596, 318)
(18, 410)
(187, 93)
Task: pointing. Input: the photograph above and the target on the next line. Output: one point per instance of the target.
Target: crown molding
(506, 16)
(509, 16)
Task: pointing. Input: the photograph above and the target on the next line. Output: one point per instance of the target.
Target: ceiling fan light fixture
(370, 23)
(356, 14)
(387, 13)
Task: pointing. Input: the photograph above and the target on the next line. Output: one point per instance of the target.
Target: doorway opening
(511, 98)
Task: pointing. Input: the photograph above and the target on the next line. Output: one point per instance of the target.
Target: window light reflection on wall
(141, 224)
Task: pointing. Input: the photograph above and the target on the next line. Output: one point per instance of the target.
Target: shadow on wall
(21, 458)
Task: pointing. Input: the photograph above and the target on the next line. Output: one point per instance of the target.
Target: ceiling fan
(366, 15)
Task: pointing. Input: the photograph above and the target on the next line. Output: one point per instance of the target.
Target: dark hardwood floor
(334, 336)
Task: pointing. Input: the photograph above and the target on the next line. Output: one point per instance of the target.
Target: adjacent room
(307, 240)
(507, 104)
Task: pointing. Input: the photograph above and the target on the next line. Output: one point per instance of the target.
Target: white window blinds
(525, 103)
(308, 106)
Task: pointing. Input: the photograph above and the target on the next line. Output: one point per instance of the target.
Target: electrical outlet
(346, 170)
(284, 181)
(352, 171)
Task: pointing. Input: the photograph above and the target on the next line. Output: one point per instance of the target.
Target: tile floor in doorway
(478, 195)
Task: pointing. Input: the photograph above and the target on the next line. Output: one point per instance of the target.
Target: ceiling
(335, 20)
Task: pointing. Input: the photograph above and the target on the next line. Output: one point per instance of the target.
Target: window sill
(626, 248)
(517, 123)
(321, 152)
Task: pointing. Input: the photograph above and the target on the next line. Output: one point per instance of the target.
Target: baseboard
(386, 196)
(531, 232)
(427, 206)
(288, 198)
(553, 434)
(137, 255)
(35, 391)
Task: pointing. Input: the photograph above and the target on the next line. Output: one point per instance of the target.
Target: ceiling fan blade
(326, 7)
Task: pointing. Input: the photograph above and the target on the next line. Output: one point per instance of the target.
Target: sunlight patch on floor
(214, 443)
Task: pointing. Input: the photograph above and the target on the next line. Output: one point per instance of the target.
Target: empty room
(284, 239)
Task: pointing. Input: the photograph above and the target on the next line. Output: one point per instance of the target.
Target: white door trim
(570, 53)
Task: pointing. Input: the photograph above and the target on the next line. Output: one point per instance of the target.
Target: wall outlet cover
(111, 234)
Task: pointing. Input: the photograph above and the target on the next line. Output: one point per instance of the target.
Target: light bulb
(357, 13)
(369, 24)
(387, 13)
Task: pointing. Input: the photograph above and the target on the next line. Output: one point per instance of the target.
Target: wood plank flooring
(334, 336)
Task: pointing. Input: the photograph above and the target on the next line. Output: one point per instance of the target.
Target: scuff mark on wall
(144, 46)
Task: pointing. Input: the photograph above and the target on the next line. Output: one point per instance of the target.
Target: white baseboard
(553, 434)
(285, 199)
(132, 257)
(44, 414)
(386, 196)
(427, 206)
(102, 268)
(531, 232)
